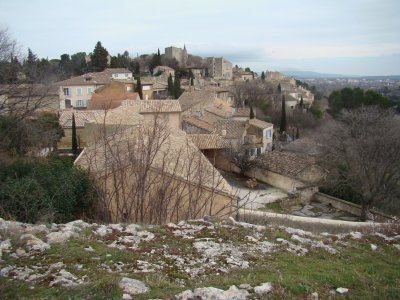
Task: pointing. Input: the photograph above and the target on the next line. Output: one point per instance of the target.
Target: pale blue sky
(360, 37)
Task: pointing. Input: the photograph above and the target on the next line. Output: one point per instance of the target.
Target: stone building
(179, 54)
(219, 68)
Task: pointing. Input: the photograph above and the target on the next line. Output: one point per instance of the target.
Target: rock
(117, 227)
(102, 230)
(89, 249)
(37, 229)
(264, 288)
(342, 290)
(133, 286)
(356, 235)
(5, 245)
(314, 296)
(65, 279)
(251, 239)
(79, 223)
(34, 243)
(245, 286)
(185, 295)
(235, 294)
(397, 246)
(20, 252)
(374, 247)
(126, 297)
(5, 271)
(60, 236)
(132, 228)
(300, 232)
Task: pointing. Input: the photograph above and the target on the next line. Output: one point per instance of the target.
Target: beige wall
(202, 201)
(173, 119)
(74, 96)
(66, 141)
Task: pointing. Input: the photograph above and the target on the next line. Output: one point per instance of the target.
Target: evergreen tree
(98, 59)
(283, 124)
(279, 88)
(262, 76)
(192, 81)
(139, 88)
(297, 133)
(252, 116)
(158, 57)
(74, 138)
(170, 85)
(79, 65)
(301, 102)
(177, 87)
(30, 66)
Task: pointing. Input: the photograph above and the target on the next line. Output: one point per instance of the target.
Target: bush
(51, 186)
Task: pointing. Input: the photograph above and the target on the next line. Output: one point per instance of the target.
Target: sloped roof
(220, 112)
(110, 96)
(81, 117)
(174, 157)
(235, 129)
(208, 141)
(260, 124)
(242, 112)
(95, 78)
(154, 106)
(191, 98)
(122, 115)
(284, 163)
(200, 123)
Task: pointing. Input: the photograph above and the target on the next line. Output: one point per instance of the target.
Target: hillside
(78, 260)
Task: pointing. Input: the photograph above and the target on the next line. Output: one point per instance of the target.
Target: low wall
(350, 207)
(315, 225)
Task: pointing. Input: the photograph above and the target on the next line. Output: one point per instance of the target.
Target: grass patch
(275, 207)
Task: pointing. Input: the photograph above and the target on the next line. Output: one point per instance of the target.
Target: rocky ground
(194, 260)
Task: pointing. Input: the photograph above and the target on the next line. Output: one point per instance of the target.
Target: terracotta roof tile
(154, 106)
(81, 117)
(208, 141)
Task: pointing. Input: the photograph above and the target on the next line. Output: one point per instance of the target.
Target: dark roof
(285, 163)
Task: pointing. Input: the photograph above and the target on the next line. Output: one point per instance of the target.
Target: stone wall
(350, 207)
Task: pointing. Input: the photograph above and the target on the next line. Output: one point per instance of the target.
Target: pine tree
(158, 57)
(301, 102)
(262, 76)
(99, 58)
(252, 116)
(170, 85)
(139, 88)
(279, 88)
(297, 133)
(74, 138)
(31, 65)
(282, 127)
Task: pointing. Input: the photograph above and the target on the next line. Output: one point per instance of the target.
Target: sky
(351, 37)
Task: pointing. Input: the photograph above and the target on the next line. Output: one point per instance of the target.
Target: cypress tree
(262, 76)
(170, 85)
(282, 127)
(74, 139)
(301, 102)
(297, 133)
(139, 88)
(99, 58)
(251, 112)
(279, 88)
(177, 87)
(192, 81)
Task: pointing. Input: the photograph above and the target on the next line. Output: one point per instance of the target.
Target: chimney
(223, 132)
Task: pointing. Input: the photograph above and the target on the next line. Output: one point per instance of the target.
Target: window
(67, 103)
(79, 103)
(66, 91)
(89, 90)
(79, 91)
(268, 133)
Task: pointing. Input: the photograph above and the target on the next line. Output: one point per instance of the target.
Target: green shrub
(57, 187)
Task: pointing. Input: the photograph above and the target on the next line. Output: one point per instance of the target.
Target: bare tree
(362, 153)
(149, 174)
(240, 154)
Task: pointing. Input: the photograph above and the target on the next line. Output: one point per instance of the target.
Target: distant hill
(309, 74)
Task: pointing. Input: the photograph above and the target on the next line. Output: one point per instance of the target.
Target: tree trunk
(365, 207)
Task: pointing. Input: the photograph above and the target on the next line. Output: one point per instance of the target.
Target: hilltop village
(181, 177)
